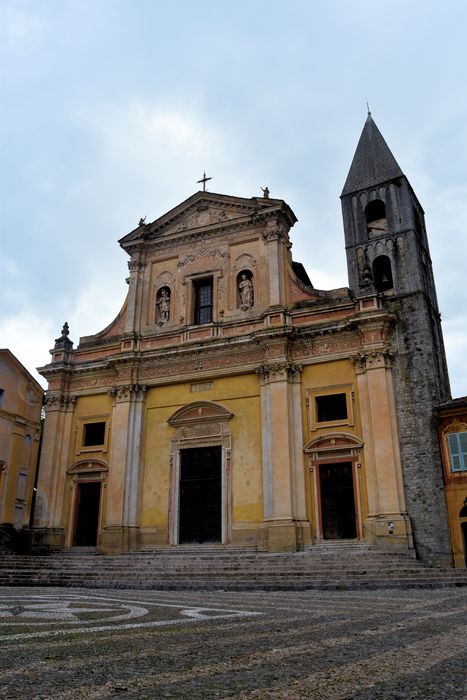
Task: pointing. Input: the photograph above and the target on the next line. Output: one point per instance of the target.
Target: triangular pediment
(207, 209)
(199, 411)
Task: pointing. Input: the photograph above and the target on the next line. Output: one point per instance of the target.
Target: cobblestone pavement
(77, 643)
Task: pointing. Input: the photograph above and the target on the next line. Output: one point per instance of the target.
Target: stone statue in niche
(245, 290)
(163, 306)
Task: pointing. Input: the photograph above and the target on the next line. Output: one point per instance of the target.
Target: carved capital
(375, 359)
(134, 265)
(59, 402)
(121, 394)
(278, 371)
(277, 233)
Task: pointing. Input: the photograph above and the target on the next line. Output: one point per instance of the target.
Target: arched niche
(245, 290)
(163, 305)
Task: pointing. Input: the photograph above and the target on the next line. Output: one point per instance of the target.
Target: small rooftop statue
(142, 221)
(265, 192)
(64, 341)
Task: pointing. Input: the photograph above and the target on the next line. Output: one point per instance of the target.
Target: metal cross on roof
(204, 180)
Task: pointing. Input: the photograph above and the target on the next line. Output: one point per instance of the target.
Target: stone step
(326, 566)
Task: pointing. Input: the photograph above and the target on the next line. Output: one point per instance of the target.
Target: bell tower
(388, 256)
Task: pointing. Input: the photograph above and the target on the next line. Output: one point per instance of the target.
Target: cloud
(23, 334)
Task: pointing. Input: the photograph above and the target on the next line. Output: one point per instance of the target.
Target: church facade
(232, 402)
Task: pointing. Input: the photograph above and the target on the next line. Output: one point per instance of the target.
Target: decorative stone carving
(64, 343)
(135, 264)
(374, 359)
(125, 393)
(277, 233)
(163, 305)
(88, 465)
(59, 401)
(246, 291)
(278, 371)
(203, 253)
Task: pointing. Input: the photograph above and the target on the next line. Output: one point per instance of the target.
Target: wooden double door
(200, 505)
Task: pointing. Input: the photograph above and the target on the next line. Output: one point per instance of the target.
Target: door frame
(200, 424)
(219, 472)
(76, 506)
(327, 462)
(334, 448)
(81, 472)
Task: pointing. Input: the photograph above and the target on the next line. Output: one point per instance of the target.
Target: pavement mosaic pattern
(65, 644)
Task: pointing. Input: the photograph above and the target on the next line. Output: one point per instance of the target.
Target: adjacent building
(452, 426)
(20, 426)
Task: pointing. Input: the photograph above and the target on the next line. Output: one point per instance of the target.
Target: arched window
(382, 273)
(245, 290)
(375, 215)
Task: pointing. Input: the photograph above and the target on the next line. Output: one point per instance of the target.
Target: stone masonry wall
(421, 382)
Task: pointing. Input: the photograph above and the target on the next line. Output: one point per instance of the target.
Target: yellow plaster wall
(240, 395)
(89, 407)
(320, 376)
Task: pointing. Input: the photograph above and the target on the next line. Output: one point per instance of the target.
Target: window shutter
(458, 451)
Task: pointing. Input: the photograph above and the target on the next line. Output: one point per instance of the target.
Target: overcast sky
(111, 110)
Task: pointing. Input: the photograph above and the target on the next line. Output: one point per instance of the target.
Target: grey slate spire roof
(373, 162)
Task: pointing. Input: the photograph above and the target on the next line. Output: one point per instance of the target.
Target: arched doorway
(333, 464)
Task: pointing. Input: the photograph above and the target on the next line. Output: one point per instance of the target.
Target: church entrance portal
(337, 501)
(87, 504)
(200, 495)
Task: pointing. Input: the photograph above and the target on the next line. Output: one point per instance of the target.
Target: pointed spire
(373, 162)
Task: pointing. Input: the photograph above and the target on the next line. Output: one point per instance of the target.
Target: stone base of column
(47, 539)
(391, 530)
(111, 541)
(286, 535)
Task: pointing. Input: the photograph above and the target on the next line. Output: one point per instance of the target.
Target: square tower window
(203, 300)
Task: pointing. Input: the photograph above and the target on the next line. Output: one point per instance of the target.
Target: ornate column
(133, 466)
(276, 239)
(282, 444)
(48, 517)
(123, 490)
(387, 521)
(136, 268)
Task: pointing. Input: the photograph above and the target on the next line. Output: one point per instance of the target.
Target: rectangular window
(458, 450)
(93, 434)
(203, 301)
(331, 407)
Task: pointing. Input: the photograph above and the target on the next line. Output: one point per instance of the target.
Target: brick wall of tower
(421, 381)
